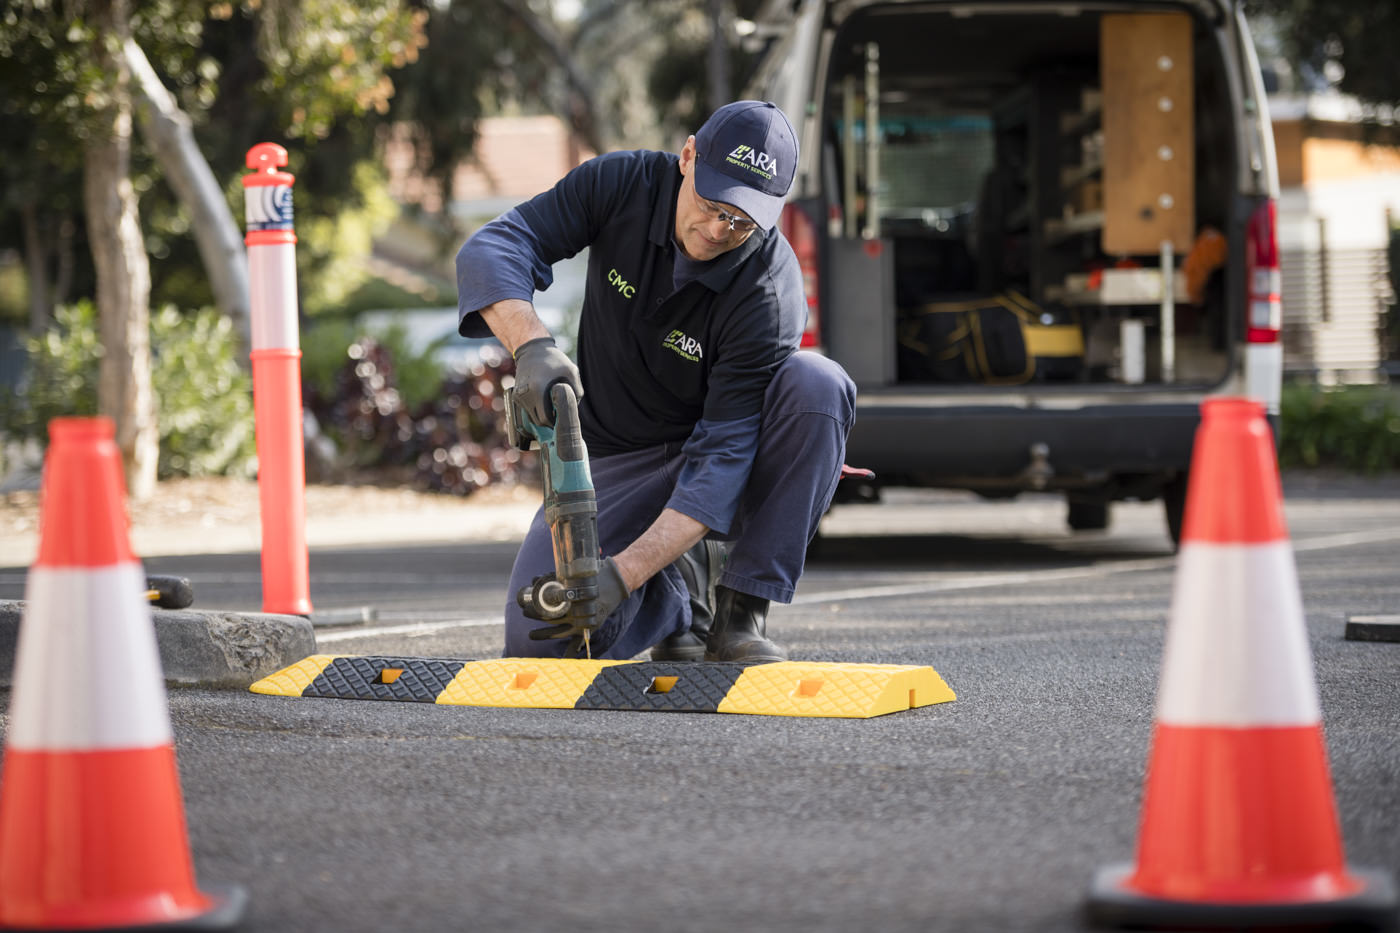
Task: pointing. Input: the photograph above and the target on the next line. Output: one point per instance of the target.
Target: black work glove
(611, 592)
(539, 364)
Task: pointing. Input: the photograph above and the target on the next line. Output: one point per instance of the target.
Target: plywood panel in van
(1149, 148)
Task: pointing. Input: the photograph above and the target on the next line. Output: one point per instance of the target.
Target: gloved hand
(539, 364)
(611, 592)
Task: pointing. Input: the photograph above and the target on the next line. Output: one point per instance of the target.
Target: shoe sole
(679, 656)
(755, 659)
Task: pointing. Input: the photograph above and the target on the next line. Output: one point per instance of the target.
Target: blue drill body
(570, 509)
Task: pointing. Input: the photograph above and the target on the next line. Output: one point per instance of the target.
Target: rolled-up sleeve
(719, 456)
(504, 259)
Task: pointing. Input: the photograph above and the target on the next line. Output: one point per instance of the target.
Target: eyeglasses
(736, 223)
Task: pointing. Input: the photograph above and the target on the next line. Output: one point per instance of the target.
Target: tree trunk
(36, 260)
(63, 277)
(167, 130)
(124, 390)
(717, 59)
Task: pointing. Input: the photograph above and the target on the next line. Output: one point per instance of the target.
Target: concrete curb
(200, 648)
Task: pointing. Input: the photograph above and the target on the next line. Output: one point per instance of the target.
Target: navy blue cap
(746, 155)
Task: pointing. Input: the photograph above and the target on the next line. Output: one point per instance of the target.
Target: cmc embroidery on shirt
(685, 347)
(616, 280)
(760, 163)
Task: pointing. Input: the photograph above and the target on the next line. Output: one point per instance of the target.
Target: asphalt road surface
(988, 813)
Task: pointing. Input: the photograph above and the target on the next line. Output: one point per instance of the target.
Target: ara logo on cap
(748, 157)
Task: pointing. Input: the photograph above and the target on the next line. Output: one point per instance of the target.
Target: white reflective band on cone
(272, 276)
(87, 669)
(1237, 651)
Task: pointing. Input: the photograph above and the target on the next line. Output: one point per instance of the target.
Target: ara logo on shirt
(687, 348)
(624, 288)
(755, 161)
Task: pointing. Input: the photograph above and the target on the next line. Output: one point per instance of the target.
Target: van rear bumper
(986, 445)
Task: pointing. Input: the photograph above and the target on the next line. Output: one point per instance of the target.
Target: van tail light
(801, 233)
(1265, 308)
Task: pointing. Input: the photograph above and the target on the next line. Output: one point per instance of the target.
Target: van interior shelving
(973, 145)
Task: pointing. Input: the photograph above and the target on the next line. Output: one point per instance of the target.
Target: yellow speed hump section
(793, 688)
(522, 682)
(786, 688)
(291, 681)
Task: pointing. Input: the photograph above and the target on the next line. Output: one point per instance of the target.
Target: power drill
(571, 510)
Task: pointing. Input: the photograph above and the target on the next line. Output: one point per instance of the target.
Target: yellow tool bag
(1003, 339)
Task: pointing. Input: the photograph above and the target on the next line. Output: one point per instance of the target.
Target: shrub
(205, 398)
(1353, 427)
(205, 402)
(453, 442)
(327, 345)
(62, 377)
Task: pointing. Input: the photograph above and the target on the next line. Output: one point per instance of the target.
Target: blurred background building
(1338, 205)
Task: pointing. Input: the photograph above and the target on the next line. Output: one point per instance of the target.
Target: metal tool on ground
(165, 592)
(567, 596)
(1373, 628)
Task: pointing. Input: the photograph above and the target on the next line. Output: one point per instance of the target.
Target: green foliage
(331, 247)
(376, 294)
(328, 346)
(329, 58)
(455, 442)
(1353, 427)
(325, 347)
(62, 378)
(480, 57)
(1351, 44)
(418, 374)
(314, 74)
(14, 291)
(204, 399)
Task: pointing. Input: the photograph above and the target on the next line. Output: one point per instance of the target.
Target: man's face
(703, 228)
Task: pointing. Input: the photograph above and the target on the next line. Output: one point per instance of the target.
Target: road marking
(981, 581)
(411, 629)
(241, 577)
(1346, 539)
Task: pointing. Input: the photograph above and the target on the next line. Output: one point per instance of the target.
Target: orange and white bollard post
(276, 355)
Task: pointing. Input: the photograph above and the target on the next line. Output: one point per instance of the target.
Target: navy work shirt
(667, 351)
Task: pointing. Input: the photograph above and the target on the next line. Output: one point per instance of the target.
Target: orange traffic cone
(92, 827)
(1239, 826)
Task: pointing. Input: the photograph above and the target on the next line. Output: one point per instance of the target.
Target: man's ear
(687, 155)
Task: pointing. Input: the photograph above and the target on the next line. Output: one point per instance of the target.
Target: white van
(1036, 234)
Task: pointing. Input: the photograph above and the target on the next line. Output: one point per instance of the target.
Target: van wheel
(1087, 516)
(1174, 505)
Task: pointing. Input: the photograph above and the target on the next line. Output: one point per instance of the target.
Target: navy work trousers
(807, 414)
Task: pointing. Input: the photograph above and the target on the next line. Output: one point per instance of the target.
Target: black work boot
(737, 632)
(699, 567)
